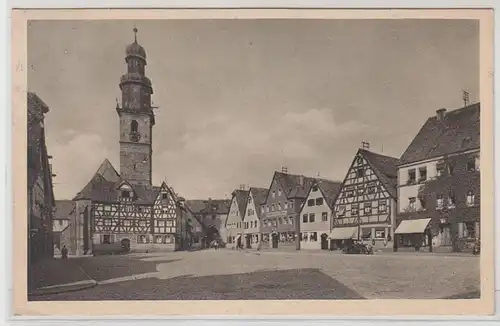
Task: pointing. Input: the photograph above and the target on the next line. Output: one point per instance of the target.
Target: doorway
(324, 241)
(248, 241)
(275, 239)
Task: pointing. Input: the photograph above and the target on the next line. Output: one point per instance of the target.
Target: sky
(239, 99)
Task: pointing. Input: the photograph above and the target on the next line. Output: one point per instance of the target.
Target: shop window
(313, 236)
(106, 239)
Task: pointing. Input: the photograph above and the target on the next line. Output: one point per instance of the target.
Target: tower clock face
(135, 136)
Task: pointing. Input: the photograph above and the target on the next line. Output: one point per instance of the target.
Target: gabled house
(439, 182)
(316, 214)
(125, 215)
(251, 220)
(281, 208)
(234, 222)
(365, 208)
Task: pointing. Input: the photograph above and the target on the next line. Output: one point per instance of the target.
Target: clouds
(75, 161)
(240, 98)
(226, 151)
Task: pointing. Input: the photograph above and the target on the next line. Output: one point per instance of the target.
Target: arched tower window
(134, 126)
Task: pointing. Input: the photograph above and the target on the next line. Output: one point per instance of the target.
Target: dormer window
(164, 195)
(314, 188)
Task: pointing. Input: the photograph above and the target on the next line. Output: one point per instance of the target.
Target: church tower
(136, 118)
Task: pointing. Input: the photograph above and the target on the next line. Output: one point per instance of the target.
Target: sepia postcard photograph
(334, 162)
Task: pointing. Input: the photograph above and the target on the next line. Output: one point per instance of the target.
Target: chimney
(242, 187)
(301, 180)
(284, 169)
(440, 114)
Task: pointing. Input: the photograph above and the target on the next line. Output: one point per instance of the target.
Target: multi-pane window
(324, 216)
(412, 176)
(470, 199)
(368, 208)
(439, 202)
(304, 218)
(310, 202)
(319, 201)
(422, 174)
(382, 206)
(360, 173)
(311, 217)
(314, 188)
(440, 169)
(354, 210)
(451, 200)
(341, 210)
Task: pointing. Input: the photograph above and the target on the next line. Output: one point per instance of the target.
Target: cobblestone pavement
(227, 274)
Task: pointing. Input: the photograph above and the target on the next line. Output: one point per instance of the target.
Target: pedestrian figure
(64, 252)
(216, 245)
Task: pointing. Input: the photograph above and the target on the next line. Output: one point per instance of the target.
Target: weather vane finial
(135, 34)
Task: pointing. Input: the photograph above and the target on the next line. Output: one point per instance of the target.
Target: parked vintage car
(358, 248)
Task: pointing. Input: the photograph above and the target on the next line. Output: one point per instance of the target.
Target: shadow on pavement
(467, 295)
(295, 284)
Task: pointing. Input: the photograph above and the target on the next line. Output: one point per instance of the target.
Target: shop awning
(344, 233)
(412, 226)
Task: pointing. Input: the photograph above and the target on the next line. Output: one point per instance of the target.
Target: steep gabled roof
(385, 167)
(241, 197)
(294, 185)
(103, 187)
(64, 208)
(259, 197)
(457, 131)
(330, 190)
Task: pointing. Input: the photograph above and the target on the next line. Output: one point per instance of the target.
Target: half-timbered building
(251, 220)
(124, 211)
(365, 206)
